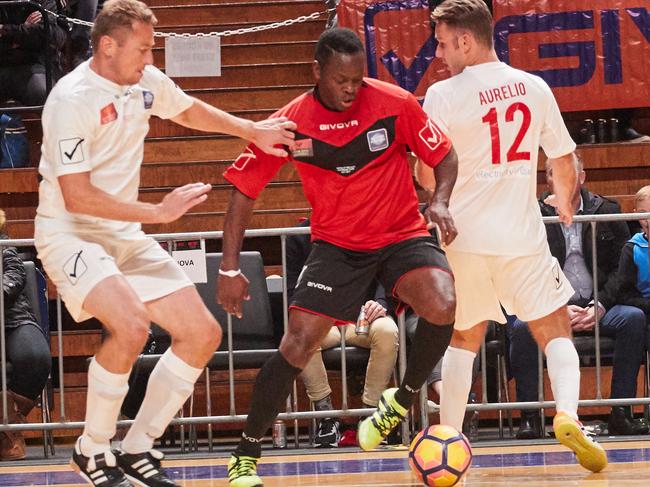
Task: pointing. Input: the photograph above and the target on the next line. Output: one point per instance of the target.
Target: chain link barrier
(225, 33)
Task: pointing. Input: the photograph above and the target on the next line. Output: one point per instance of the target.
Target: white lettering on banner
(194, 56)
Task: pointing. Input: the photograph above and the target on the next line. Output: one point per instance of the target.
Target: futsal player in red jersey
(350, 149)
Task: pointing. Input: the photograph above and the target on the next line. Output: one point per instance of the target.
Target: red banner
(400, 47)
(595, 54)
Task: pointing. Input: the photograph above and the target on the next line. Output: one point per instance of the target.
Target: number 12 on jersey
(513, 153)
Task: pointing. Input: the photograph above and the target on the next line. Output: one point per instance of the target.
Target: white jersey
(91, 124)
(497, 117)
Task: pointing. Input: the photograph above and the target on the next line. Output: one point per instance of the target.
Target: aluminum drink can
(362, 327)
(279, 434)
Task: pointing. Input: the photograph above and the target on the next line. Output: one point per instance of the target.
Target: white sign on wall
(192, 56)
(190, 255)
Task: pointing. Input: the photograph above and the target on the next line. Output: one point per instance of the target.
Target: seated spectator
(634, 283)
(80, 34)
(572, 247)
(28, 352)
(381, 339)
(22, 41)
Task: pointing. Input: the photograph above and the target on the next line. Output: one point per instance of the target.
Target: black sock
(427, 348)
(272, 386)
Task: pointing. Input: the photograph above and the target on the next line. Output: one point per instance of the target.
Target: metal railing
(293, 412)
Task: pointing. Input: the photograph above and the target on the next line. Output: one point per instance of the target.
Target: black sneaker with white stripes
(144, 468)
(99, 470)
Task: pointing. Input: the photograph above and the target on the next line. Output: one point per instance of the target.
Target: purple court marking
(324, 467)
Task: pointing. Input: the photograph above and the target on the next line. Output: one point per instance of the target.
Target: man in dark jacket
(572, 247)
(28, 352)
(22, 50)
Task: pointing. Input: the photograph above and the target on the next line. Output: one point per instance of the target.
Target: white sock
(456, 382)
(170, 384)
(564, 372)
(106, 392)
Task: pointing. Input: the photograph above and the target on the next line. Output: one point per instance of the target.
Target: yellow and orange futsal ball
(440, 455)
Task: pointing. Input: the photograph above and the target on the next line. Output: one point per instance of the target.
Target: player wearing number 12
(497, 118)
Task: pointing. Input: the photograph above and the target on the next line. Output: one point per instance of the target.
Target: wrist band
(231, 273)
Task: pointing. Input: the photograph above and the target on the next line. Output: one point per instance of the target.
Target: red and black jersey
(353, 165)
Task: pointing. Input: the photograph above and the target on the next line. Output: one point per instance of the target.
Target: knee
(442, 311)
(131, 330)
(636, 318)
(208, 335)
(298, 347)
(385, 335)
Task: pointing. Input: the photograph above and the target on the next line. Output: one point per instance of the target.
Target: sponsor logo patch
(303, 148)
(377, 140)
(71, 150)
(108, 114)
(345, 170)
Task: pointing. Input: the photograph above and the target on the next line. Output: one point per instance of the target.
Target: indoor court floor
(533, 466)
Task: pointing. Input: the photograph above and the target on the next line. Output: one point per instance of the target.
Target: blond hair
(3, 220)
(471, 15)
(120, 15)
(642, 195)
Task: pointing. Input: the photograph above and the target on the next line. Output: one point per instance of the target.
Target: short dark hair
(471, 15)
(120, 14)
(343, 41)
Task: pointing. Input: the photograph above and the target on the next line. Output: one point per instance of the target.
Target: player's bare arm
(232, 290)
(82, 197)
(438, 210)
(265, 134)
(424, 175)
(564, 177)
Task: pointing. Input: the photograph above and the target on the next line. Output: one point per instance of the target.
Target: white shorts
(76, 263)
(529, 287)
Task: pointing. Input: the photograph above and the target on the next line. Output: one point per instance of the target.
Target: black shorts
(336, 282)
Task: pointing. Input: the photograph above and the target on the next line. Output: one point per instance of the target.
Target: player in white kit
(497, 118)
(89, 238)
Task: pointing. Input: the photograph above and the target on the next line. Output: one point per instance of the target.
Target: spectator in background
(332, 20)
(22, 50)
(381, 339)
(28, 352)
(571, 246)
(634, 283)
(80, 35)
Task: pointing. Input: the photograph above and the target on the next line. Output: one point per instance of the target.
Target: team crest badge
(147, 96)
(377, 140)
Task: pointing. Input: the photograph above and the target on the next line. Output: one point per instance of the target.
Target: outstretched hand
(272, 132)
(178, 202)
(437, 214)
(231, 292)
